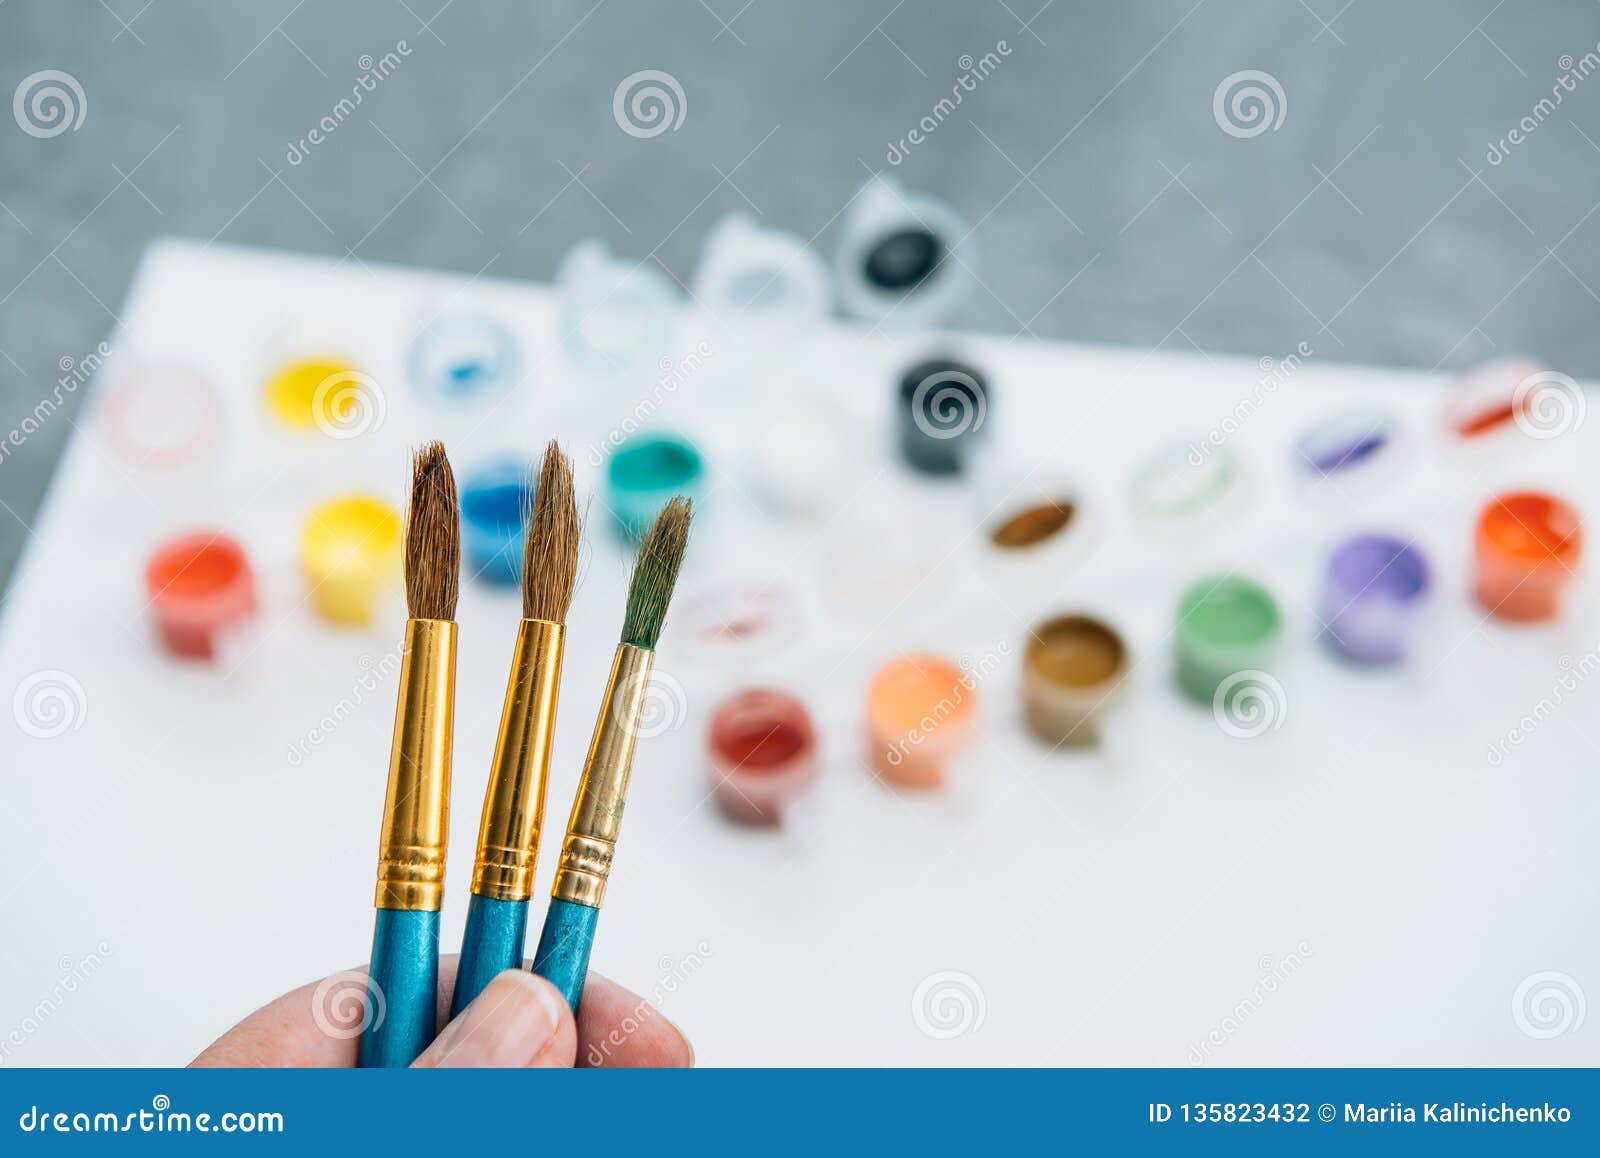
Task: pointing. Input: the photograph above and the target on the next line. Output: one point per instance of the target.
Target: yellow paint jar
(351, 549)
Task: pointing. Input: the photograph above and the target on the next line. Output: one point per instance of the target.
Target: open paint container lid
(1374, 593)
(350, 548)
(1511, 403)
(760, 273)
(729, 627)
(1527, 548)
(1189, 485)
(201, 591)
(905, 259)
(1033, 528)
(460, 357)
(1350, 453)
(162, 416)
(1073, 672)
(763, 754)
(615, 314)
(921, 710)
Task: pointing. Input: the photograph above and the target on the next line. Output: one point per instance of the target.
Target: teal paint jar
(646, 471)
(1226, 625)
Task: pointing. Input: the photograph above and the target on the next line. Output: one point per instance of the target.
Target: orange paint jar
(920, 710)
(1527, 546)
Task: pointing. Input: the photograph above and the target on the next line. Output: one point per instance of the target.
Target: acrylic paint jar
(1226, 625)
(615, 314)
(461, 357)
(941, 410)
(920, 713)
(350, 547)
(731, 628)
(1374, 594)
(763, 752)
(201, 589)
(1527, 547)
(1034, 529)
(760, 273)
(1073, 672)
(646, 471)
(1350, 453)
(904, 259)
(496, 498)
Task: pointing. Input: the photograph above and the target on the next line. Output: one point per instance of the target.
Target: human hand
(518, 1021)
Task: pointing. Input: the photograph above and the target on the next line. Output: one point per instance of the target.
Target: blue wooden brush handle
(402, 990)
(496, 932)
(563, 954)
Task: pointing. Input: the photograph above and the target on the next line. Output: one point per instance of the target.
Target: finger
(617, 1028)
(316, 1025)
(519, 1021)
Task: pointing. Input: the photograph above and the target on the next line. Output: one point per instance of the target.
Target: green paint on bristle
(655, 573)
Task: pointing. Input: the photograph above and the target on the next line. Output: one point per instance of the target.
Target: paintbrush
(513, 804)
(402, 985)
(580, 883)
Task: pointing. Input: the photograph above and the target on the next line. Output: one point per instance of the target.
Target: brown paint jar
(1072, 672)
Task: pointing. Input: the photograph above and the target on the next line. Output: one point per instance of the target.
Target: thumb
(518, 1021)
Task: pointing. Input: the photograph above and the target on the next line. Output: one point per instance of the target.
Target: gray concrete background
(1110, 204)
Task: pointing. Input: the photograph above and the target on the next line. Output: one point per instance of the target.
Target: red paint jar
(1527, 545)
(200, 587)
(763, 754)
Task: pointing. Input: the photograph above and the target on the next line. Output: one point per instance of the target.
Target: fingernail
(508, 1024)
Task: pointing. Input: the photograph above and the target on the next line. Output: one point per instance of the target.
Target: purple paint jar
(1375, 589)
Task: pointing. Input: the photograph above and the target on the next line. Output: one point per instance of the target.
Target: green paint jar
(646, 471)
(1226, 624)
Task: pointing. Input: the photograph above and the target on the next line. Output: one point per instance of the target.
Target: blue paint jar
(646, 471)
(495, 500)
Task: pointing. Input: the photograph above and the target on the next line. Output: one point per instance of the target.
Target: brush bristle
(433, 536)
(655, 573)
(550, 556)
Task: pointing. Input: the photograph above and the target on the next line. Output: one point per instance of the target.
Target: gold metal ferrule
(597, 811)
(416, 807)
(513, 805)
